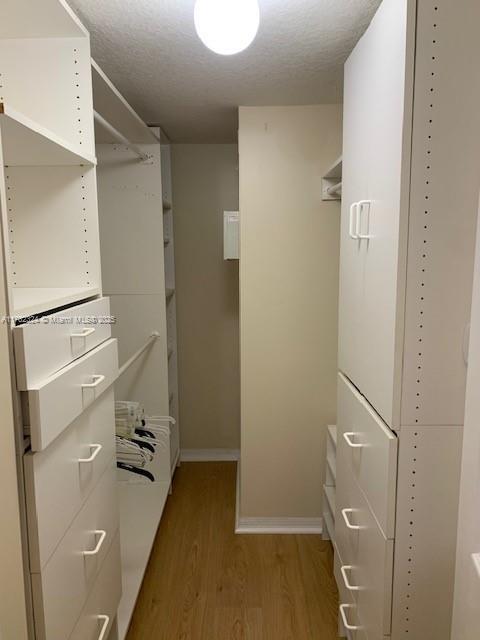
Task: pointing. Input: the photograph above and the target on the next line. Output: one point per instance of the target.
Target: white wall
(205, 183)
(288, 306)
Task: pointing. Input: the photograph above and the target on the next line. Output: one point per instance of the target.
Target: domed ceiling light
(227, 26)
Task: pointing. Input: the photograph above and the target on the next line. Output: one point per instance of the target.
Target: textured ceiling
(150, 51)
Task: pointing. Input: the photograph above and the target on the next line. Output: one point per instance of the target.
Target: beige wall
(288, 300)
(205, 183)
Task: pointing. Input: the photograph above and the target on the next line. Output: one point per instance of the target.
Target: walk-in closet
(239, 304)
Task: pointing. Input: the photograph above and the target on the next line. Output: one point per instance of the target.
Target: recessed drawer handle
(346, 624)
(84, 333)
(106, 622)
(95, 448)
(348, 439)
(349, 586)
(101, 540)
(353, 527)
(96, 381)
(360, 207)
(353, 224)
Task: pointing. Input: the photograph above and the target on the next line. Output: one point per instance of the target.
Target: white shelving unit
(329, 486)
(51, 255)
(170, 296)
(141, 508)
(48, 157)
(332, 181)
(132, 242)
(401, 392)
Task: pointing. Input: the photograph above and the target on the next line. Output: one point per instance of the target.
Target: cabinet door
(354, 188)
(378, 91)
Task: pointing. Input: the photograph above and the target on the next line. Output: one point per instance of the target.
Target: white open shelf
(332, 466)
(141, 508)
(28, 301)
(112, 106)
(26, 143)
(332, 181)
(330, 495)
(332, 434)
(329, 525)
(46, 19)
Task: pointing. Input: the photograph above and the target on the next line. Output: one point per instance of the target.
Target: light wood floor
(206, 583)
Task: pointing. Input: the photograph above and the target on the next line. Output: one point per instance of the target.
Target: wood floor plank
(204, 582)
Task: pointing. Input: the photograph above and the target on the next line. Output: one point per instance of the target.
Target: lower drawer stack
(365, 517)
(70, 472)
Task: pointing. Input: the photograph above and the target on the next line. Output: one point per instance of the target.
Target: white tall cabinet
(409, 209)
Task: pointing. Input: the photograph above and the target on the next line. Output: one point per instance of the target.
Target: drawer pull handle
(352, 527)
(97, 379)
(360, 207)
(84, 333)
(353, 223)
(95, 448)
(101, 540)
(349, 586)
(346, 624)
(348, 439)
(106, 622)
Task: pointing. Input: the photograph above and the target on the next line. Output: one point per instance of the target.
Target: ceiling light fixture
(227, 26)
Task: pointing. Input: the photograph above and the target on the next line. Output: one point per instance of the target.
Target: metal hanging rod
(138, 353)
(119, 136)
(334, 189)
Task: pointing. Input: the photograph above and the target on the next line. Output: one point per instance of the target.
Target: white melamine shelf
(332, 181)
(330, 494)
(332, 434)
(141, 508)
(332, 465)
(329, 524)
(46, 19)
(28, 301)
(112, 106)
(26, 143)
(335, 170)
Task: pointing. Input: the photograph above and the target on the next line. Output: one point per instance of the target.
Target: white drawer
(58, 480)
(46, 345)
(368, 446)
(101, 608)
(58, 400)
(349, 606)
(346, 495)
(367, 558)
(61, 589)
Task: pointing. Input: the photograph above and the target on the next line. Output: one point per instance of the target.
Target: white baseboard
(274, 525)
(209, 455)
(280, 525)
